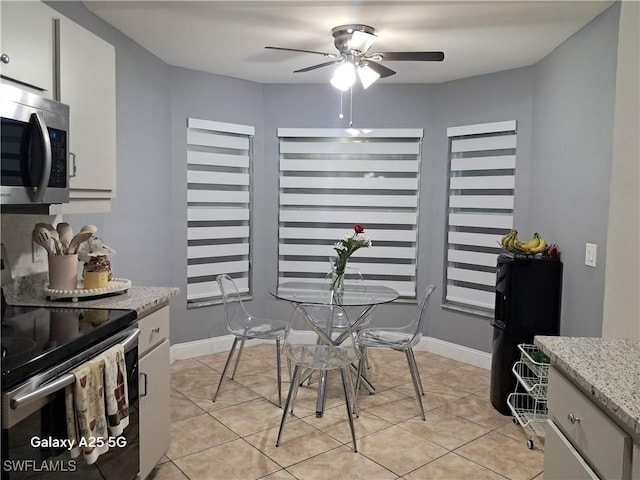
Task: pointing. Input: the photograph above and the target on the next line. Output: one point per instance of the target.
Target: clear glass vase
(337, 281)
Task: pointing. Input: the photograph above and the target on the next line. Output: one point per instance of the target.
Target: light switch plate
(590, 253)
(38, 253)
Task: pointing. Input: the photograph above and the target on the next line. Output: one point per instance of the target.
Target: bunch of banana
(511, 243)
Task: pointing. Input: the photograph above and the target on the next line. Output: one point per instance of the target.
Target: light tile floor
(463, 437)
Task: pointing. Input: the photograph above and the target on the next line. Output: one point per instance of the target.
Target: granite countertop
(606, 369)
(29, 291)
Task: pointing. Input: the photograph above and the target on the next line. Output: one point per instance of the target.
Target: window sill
(467, 310)
(211, 302)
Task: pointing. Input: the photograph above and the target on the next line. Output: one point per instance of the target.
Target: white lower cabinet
(582, 442)
(561, 460)
(154, 388)
(155, 410)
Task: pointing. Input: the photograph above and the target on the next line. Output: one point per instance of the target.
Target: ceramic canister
(63, 272)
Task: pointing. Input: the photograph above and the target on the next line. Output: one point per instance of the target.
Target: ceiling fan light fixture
(367, 76)
(361, 41)
(344, 76)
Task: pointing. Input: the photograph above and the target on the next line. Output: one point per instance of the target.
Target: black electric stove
(36, 338)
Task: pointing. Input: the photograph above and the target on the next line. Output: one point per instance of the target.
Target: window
(482, 161)
(331, 179)
(218, 207)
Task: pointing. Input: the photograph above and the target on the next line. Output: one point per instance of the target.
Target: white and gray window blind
(331, 179)
(482, 171)
(219, 159)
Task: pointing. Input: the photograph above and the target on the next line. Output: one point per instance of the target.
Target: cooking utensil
(77, 239)
(89, 228)
(66, 234)
(55, 238)
(48, 226)
(41, 236)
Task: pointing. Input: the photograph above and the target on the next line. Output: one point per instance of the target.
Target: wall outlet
(590, 253)
(38, 253)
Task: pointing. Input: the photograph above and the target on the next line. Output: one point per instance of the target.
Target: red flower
(358, 228)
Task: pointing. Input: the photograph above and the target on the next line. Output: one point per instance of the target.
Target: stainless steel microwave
(34, 149)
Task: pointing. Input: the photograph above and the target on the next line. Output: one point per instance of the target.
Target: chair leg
(415, 364)
(414, 377)
(235, 367)
(363, 351)
(296, 374)
(352, 391)
(226, 367)
(279, 373)
(296, 385)
(311, 371)
(289, 369)
(345, 372)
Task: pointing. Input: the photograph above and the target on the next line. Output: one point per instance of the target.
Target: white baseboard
(454, 351)
(183, 351)
(198, 348)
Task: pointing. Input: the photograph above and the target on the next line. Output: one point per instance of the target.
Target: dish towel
(97, 404)
(86, 421)
(116, 390)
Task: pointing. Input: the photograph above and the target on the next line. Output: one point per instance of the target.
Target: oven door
(34, 423)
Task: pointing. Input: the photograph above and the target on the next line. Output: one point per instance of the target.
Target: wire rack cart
(529, 407)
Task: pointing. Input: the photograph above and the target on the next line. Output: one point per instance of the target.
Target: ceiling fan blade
(380, 69)
(411, 56)
(313, 67)
(302, 51)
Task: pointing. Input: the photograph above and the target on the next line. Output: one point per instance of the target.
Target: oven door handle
(60, 383)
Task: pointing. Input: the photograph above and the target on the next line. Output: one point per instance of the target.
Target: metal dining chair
(402, 339)
(245, 327)
(309, 344)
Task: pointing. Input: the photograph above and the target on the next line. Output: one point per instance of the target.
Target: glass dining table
(355, 294)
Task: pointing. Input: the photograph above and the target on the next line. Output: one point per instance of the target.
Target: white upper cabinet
(52, 56)
(87, 83)
(27, 46)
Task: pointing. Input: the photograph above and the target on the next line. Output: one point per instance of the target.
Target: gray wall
(199, 95)
(136, 226)
(501, 96)
(562, 105)
(574, 94)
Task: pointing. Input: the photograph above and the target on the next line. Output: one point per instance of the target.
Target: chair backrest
(234, 311)
(309, 340)
(415, 326)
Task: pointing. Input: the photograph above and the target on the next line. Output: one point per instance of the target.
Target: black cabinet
(528, 299)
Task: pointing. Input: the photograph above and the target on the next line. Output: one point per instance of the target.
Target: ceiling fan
(353, 43)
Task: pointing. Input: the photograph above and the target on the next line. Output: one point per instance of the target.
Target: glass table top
(355, 294)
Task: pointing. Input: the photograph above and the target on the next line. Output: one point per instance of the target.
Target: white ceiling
(228, 37)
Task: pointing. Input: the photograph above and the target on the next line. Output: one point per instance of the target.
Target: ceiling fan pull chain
(351, 106)
(341, 115)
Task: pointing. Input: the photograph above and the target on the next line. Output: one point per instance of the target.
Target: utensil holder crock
(63, 272)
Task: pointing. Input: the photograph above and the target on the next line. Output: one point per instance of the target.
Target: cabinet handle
(573, 419)
(156, 330)
(74, 168)
(145, 384)
(4, 58)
